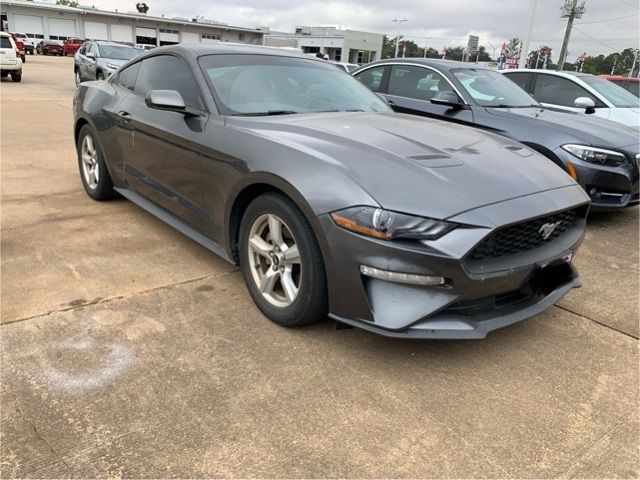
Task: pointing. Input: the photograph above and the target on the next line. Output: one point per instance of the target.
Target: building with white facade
(57, 22)
(341, 45)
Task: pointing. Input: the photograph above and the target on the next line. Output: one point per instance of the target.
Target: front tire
(16, 77)
(100, 76)
(93, 169)
(281, 262)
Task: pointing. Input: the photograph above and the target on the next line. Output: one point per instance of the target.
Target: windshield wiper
(264, 114)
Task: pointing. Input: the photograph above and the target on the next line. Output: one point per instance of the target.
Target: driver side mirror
(447, 98)
(170, 100)
(585, 102)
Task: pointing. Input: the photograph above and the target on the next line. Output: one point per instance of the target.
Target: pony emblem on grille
(547, 229)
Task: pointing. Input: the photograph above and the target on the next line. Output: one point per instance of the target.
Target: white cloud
(446, 22)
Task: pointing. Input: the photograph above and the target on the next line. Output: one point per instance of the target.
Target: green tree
(513, 47)
(68, 3)
(455, 53)
(620, 63)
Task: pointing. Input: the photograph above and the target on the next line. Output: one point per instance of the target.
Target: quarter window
(372, 78)
(558, 91)
(127, 76)
(416, 82)
(166, 72)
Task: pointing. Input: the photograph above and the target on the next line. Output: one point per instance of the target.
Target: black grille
(523, 236)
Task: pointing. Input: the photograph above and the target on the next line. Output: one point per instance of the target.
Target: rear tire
(93, 169)
(281, 262)
(16, 77)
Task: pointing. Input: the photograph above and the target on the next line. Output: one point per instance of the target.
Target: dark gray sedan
(331, 203)
(601, 155)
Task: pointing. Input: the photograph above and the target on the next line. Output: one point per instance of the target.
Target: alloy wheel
(274, 260)
(90, 167)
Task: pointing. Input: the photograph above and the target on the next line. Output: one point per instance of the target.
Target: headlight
(111, 66)
(379, 223)
(595, 155)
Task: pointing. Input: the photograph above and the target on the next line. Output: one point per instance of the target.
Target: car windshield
(20, 35)
(275, 85)
(116, 52)
(492, 89)
(613, 93)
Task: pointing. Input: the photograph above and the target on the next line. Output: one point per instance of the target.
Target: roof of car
(562, 73)
(437, 63)
(4, 34)
(105, 42)
(623, 78)
(230, 48)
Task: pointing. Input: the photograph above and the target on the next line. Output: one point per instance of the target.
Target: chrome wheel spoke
(292, 255)
(96, 173)
(260, 246)
(269, 281)
(288, 285)
(275, 231)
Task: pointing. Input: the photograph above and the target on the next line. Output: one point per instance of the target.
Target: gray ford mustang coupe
(331, 203)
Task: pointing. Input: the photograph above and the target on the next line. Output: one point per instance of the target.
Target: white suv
(10, 61)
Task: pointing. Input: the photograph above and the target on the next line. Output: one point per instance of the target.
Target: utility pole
(399, 21)
(426, 44)
(570, 10)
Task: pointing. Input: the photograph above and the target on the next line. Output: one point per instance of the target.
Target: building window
(166, 30)
(211, 37)
(241, 37)
(57, 37)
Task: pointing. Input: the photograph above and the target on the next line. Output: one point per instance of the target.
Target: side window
(416, 82)
(127, 76)
(83, 49)
(372, 77)
(92, 48)
(558, 91)
(166, 72)
(520, 79)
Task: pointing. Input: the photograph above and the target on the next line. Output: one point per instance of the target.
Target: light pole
(524, 52)
(399, 21)
(426, 44)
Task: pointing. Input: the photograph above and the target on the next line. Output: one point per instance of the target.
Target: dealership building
(57, 22)
(350, 46)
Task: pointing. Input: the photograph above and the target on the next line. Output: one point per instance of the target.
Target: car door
(84, 61)
(164, 162)
(411, 87)
(561, 93)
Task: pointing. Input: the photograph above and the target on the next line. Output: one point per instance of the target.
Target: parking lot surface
(129, 350)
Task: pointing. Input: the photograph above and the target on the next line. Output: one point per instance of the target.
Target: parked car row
(600, 154)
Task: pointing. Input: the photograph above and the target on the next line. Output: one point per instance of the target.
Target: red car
(72, 45)
(50, 47)
(20, 47)
(628, 83)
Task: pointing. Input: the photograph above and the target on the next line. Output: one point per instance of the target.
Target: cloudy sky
(607, 26)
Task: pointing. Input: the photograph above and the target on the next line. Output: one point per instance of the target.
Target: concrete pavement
(130, 351)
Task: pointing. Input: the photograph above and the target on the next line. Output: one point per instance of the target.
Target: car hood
(593, 130)
(629, 116)
(113, 61)
(412, 164)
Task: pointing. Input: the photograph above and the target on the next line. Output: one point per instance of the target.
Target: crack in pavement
(598, 322)
(117, 297)
(35, 430)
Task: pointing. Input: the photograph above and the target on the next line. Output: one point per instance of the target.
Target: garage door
(62, 27)
(190, 37)
(96, 31)
(121, 33)
(31, 24)
(169, 35)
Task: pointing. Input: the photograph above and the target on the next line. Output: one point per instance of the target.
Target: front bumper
(609, 187)
(478, 296)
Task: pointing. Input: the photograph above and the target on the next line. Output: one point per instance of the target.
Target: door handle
(124, 115)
